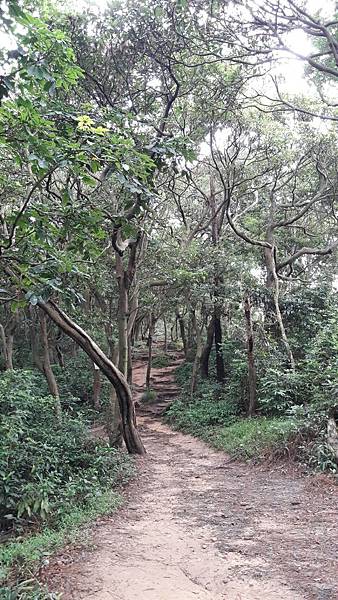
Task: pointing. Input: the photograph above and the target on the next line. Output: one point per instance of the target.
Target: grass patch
(252, 438)
(20, 558)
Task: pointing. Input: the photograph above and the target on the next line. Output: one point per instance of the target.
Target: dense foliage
(161, 180)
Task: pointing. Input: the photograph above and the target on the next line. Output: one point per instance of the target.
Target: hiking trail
(199, 526)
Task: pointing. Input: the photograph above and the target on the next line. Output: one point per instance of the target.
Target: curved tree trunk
(273, 282)
(130, 434)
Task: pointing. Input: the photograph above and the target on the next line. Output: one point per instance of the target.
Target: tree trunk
(198, 355)
(7, 349)
(7, 340)
(216, 225)
(150, 349)
(183, 335)
(97, 385)
(133, 309)
(207, 349)
(165, 328)
(58, 351)
(276, 290)
(36, 359)
(122, 316)
(220, 371)
(252, 405)
(130, 434)
(47, 367)
(113, 415)
(191, 331)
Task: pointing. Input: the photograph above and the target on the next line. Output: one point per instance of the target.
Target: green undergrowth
(149, 397)
(54, 477)
(215, 414)
(20, 558)
(161, 361)
(252, 438)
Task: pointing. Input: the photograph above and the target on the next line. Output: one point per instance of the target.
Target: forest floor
(199, 526)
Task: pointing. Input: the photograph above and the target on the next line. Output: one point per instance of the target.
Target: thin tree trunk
(150, 349)
(47, 367)
(113, 415)
(218, 280)
(183, 335)
(220, 371)
(252, 405)
(130, 434)
(281, 324)
(10, 348)
(133, 309)
(97, 385)
(36, 359)
(7, 349)
(207, 349)
(271, 268)
(165, 344)
(198, 355)
(272, 277)
(7, 339)
(122, 316)
(58, 351)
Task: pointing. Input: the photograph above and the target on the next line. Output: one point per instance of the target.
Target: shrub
(47, 467)
(183, 374)
(209, 406)
(75, 381)
(149, 396)
(161, 360)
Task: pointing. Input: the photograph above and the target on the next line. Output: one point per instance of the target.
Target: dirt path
(200, 527)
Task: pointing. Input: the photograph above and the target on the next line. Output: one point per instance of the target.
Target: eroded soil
(198, 526)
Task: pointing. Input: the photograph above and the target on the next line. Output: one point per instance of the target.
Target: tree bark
(36, 358)
(130, 434)
(252, 404)
(216, 226)
(198, 355)
(183, 335)
(165, 328)
(58, 350)
(220, 370)
(122, 316)
(150, 349)
(47, 367)
(7, 340)
(97, 385)
(280, 322)
(272, 281)
(207, 349)
(113, 415)
(7, 348)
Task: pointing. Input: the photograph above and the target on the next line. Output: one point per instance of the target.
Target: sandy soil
(197, 526)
